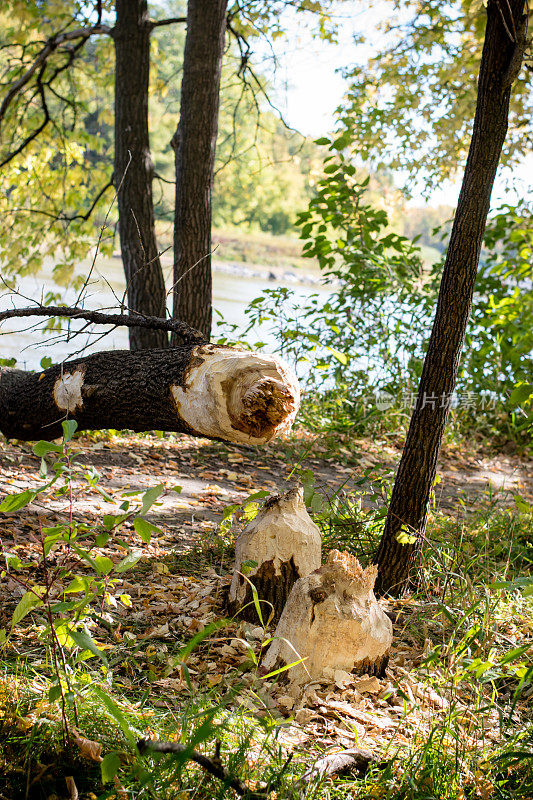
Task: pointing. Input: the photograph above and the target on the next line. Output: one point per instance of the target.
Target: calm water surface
(231, 295)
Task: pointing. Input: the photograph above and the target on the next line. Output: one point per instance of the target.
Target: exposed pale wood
(204, 390)
(332, 619)
(286, 545)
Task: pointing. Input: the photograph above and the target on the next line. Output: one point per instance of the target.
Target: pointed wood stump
(285, 544)
(332, 619)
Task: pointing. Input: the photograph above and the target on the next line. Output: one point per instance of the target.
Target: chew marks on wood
(285, 544)
(67, 390)
(237, 395)
(332, 620)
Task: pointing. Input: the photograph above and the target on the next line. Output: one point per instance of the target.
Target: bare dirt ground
(213, 475)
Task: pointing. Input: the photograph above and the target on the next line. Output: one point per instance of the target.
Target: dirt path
(214, 475)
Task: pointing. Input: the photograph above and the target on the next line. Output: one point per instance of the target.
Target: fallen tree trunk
(338, 763)
(285, 545)
(203, 390)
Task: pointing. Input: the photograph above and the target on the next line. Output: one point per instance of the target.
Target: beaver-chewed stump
(285, 544)
(332, 619)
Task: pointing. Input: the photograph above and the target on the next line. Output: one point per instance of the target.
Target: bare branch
(335, 763)
(212, 765)
(52, 44)
(33, 135)
(93, 205)
(189, 335)
(158, 23)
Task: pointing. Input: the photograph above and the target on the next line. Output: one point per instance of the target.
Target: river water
(231, 295)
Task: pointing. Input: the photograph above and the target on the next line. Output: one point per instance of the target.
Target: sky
(308, 87)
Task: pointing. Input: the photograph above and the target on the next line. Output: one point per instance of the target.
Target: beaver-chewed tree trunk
(203, 390)
(284, 544)
(332, 620)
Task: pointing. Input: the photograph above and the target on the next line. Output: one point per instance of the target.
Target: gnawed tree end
(203, 390)
(332, 620)
(285, 544)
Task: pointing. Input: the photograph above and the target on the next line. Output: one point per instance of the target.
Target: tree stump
(285, 544)
(332, 619)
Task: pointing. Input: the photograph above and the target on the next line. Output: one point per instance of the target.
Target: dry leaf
(88, 748)
(72, 788)
(371, 685)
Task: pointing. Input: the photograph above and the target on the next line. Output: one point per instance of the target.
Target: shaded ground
(172, 597)
(212, 475)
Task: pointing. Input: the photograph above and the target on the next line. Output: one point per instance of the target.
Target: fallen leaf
(88, 748)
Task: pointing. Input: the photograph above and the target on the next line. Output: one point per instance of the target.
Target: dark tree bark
(500, 63)
(200, 389)
(134, 171)
(194, 143)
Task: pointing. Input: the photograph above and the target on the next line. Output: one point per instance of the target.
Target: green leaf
(248, 566)
(521, 393)
(283, 669)
(14, 502)
(199, 637)
(145, 529)
(78, 584)
(128, 562)
(85, 641)
(523, 505)
(42, 448)
(128, 730)
(46, 362)
(258, 495)
(69, 429)
(12, 560)
(406, 538)
(150, 496)
(111, 520)
(103, 564)
(342, 357)
(30, 600)
(110, 766)
(54, 692)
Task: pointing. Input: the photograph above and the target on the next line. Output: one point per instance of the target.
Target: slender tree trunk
(194, 144)
(500, 63)
(134, 171)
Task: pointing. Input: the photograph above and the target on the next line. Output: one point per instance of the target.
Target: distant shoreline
(275, 274)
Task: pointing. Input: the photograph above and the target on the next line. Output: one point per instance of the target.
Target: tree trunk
(194, 144)
(134, 171)
(332, 621)
(407, 513)
(285, 545)
(202, 390)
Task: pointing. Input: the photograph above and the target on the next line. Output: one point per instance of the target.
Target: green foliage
(77, 583)
(264, 172)
(49, 192)
(499, 344)
(49, 186)
(411, 106)
(369, 336)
